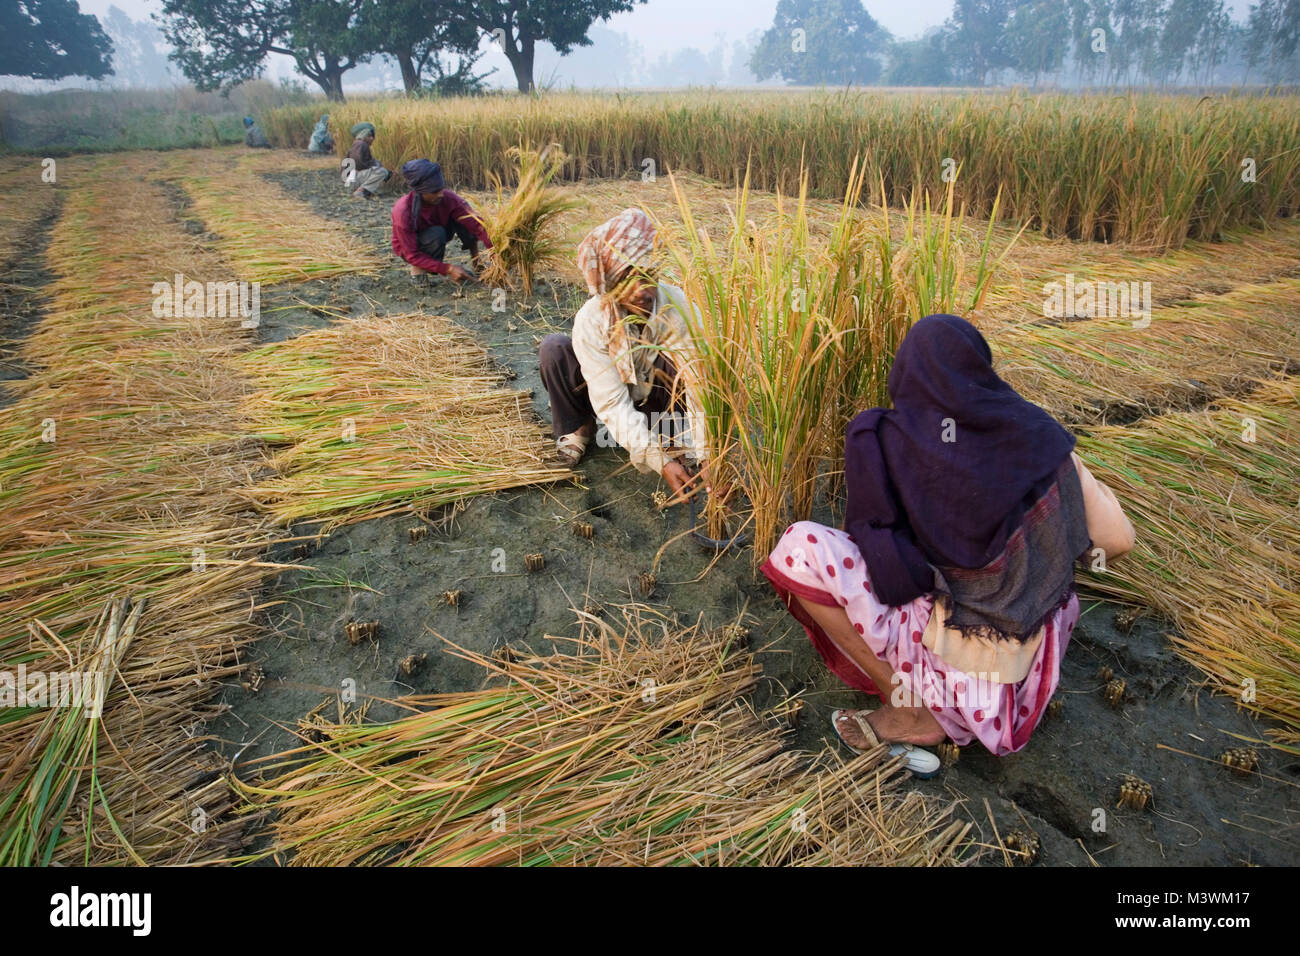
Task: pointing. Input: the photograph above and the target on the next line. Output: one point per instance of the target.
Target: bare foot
(909, 725)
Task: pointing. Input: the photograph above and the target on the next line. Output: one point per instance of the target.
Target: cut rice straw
(266, 235)
(1213, 497)
(383, 414)
(633, 748)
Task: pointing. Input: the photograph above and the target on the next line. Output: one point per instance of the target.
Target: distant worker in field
(360, 170)
(253, 135)
(321, 140)
(624, 361)
(426, 219)
(950, 590)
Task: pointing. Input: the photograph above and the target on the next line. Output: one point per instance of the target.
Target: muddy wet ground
(1063, 785)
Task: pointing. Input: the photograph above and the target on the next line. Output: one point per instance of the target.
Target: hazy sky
(664, 25)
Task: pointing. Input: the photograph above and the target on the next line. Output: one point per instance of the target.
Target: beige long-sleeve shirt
(614, 402)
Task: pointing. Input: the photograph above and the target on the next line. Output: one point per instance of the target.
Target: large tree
(922, 62)
(517, 26)
(221, 43)
(52, 39)
(815, 42)
(1038, 37)
(416, 33)
(1272, 36)
(980, 40)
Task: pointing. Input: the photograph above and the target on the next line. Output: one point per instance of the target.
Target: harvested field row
(1106, 370)
(1213, 495)
(121, 478)
(284, 242)
(24, 201)
(387, 413)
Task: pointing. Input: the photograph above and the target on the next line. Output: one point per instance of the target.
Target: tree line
(1062, 42)
(218, 44)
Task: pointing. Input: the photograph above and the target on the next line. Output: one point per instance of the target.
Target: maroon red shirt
(452, 209)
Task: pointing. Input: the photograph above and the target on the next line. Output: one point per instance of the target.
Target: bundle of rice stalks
(266, 235)
(122, 471)
(633, 748)
(1213, 496)
(794, 336)
(522, 227)
(381, 414)
(1099, 370)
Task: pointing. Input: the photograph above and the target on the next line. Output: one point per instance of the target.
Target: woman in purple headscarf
(951, 586)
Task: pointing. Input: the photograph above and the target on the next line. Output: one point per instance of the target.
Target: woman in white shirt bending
(629, 359)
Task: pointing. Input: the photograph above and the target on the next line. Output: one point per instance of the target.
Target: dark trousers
(567, 390)
(433, 240)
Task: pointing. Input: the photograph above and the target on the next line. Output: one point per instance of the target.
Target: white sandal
(572, 447)
(922, 763)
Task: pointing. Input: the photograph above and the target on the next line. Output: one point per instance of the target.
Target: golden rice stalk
(781, 314)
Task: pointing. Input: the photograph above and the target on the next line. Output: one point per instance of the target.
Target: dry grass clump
(1218, 543)
(633, 747)
(522, 226)
(264, 234)
(1146, 169)
(381, 414)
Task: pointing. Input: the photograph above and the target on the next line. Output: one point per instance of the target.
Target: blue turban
(423, 177)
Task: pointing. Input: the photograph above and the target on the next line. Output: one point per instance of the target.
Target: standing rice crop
(794, 336)
(1143, 169)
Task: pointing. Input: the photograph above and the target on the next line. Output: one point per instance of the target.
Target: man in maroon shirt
(427, 217)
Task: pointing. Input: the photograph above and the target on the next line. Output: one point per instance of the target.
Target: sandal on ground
(922, 763)
(572, 447)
